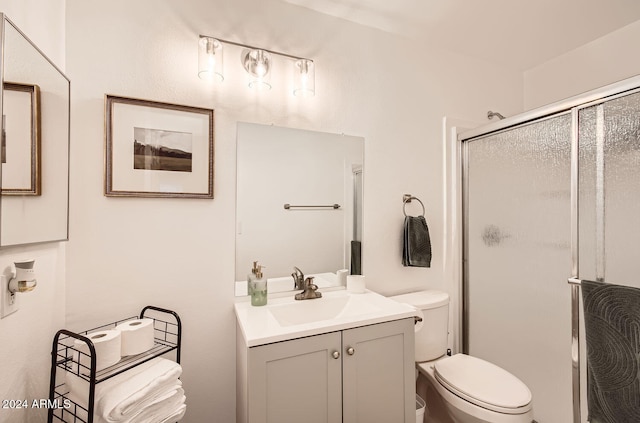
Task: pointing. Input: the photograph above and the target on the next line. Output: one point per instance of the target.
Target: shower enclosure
(548, 196)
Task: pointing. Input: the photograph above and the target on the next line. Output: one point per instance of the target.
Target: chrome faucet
(310, 290)
(298, 278)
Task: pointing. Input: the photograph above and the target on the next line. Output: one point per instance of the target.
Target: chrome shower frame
(571, 105)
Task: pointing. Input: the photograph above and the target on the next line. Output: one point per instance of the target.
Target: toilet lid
(483, 384)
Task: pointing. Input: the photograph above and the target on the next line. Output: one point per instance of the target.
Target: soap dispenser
(251, 277)
(258, 286)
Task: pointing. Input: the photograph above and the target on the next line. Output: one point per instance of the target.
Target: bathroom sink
(308, 311)
(284, 318)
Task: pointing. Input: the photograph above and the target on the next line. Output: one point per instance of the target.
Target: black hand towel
(417, 243)
(356, 258)
(612, 325)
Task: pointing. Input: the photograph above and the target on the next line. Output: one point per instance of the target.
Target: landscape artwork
(157, 149)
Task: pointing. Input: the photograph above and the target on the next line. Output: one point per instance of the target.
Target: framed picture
(157, 149)
(20, 141)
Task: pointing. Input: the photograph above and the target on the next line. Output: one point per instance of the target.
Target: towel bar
(332, 206)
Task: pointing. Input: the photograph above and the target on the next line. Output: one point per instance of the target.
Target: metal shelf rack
(68, 361)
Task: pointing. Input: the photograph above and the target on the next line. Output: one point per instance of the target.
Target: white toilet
(472, 390)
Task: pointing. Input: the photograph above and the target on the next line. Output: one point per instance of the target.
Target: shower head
(491, 114)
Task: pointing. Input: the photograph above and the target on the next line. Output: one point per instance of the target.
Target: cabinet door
(296, 381)
(378, 373)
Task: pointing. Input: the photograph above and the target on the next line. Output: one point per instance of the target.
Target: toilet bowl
(472, 390)
(476, 391)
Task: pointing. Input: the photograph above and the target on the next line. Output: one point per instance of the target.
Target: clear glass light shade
(304, 84)
(257, 63)
(210, 59)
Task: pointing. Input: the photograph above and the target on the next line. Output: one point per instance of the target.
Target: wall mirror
(34, 200)
(298, 203)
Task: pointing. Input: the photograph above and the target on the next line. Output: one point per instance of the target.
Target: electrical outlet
(8, 301)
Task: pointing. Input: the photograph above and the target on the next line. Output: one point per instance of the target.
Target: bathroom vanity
(341, 358)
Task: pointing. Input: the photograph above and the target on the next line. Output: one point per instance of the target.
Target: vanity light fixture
(21, 281)
(257, 62)
(210, 59)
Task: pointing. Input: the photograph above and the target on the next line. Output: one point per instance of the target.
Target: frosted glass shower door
(609, 191)
(518, 257)
(609, 202)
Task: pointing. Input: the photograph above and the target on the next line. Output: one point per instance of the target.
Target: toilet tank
(431, 337)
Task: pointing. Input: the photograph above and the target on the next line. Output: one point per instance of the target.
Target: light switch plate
(8, 302)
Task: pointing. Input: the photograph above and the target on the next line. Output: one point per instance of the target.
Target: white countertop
(285, 318)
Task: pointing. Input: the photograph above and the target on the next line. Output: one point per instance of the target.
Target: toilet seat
(483, 384)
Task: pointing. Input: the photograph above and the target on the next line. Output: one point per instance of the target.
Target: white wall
(43, 22)
(25, 336)
(368, 83)
(25, 350)
(604, 61)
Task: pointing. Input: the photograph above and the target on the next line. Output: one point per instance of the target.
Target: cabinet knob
(351, 351)
(335, 354)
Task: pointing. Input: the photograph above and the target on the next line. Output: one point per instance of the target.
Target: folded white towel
(176, 416)
(124, 396)
(169, 407)
(128, 398)
(163, 406)
(79, 388)
(161, 409)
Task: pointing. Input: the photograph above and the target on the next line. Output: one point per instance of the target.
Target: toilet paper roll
(356, 284)
(137, 336)
(342, 277)
(107, 345)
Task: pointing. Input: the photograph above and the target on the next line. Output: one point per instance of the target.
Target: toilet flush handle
(351, 351)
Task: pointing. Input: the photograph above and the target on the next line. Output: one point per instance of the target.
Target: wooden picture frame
(157, 149)
(20, 140)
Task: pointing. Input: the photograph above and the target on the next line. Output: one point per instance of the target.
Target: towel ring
(407, 199)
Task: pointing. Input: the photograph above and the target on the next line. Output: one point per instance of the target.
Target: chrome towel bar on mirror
(331, 206)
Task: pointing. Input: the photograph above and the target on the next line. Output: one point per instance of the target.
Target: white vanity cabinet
(359, 375)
